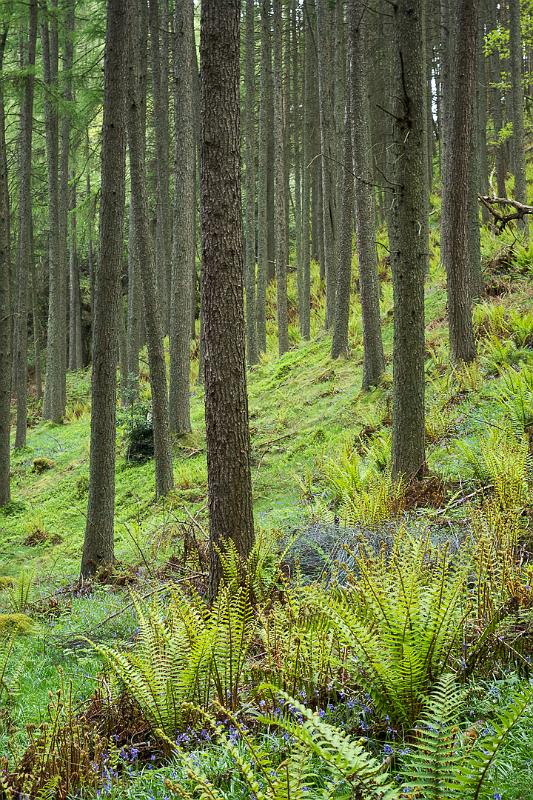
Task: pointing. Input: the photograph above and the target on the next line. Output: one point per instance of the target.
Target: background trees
(351, 120)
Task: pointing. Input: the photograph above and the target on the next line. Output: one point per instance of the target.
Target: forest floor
(307, 415)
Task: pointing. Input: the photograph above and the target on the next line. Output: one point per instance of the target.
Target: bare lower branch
(501, 219)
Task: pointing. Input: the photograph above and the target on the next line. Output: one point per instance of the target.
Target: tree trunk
(496, 105)
(25, 232)
(518, 141)
(54, 394)
(75, 355)
(154, 339)
(344, 268)
(183, 261)
(5, 298)
(99, 532)
(280, 189)
(305, 295)
(64, 193)
(250, 147)
(456, 188)
(226, 404)
(409, 241)
(327, 149)
(158, 17)
(265, 128)
(374, 359)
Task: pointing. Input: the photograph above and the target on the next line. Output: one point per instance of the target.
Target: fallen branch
(501, 220)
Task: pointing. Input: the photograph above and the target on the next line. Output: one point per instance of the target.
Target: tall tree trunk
(249, 159)
(54, 394)
(154, 338)
(36, 332)
(5, 297)
(75, 355)
(327, 149)
(183, 261)
(280, 195)
(226, 404)
(374, 359)
(409, 241)
(518, 142)
(98, 546)
(25, 232)
(264, 168)
(158, 18)
(496, 105)
(64, 192)
(344, 267)
(133, 322)
(305, 295)
(456, 189)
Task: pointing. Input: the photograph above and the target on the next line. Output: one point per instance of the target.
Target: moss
(15, 623)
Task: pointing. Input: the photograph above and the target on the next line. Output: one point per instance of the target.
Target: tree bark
(158, 17)
(54, 394)
(518, 141)
(344, 267)
(75, 355)
(25, 232)
(98, 546)
(305, 295)
(374, 359)
(327, 145)
(280, 188)
(249, 160)
(264, 169)
(183, 261)
(158, 380)
(456, 193)
(226, 404)
(5, 297)
(409, 241)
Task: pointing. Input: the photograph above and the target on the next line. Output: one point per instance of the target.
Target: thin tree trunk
(5, 298)
(226, 404)
(36, 332)
(496, 105)
(456, 189)
(98, 548)
(133, 323)
(374, 359)
(344, 268)
(25, 250)
(409, 241)
(518, 141)
(158, 380)
(64, 193)
(158, 15)
(327, 145)
(183, 261)
(305, 296)
(265, 127)
(75, 354)
(54, 394)
(249, 160)
(280, 195)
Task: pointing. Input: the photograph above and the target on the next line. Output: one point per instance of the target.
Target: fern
(313, 743)
(185, 653)
(443, 766)
(402, 621)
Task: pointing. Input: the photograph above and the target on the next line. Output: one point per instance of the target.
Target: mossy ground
(304, 409)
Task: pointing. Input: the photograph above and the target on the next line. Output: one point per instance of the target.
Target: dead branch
(501, 219)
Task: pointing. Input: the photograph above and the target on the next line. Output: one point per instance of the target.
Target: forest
(266, 399)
